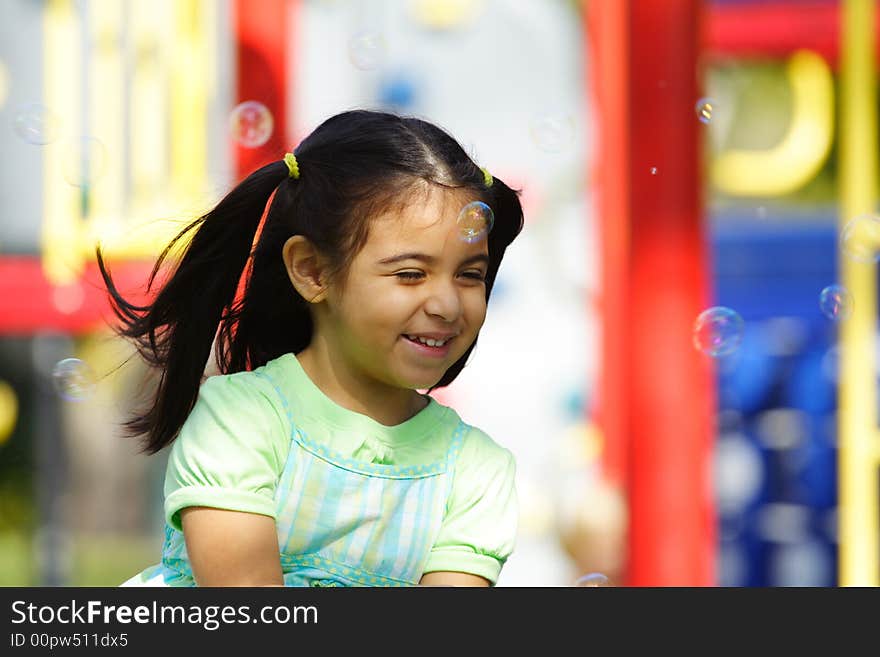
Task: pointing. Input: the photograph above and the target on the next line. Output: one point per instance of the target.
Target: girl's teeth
(428, 341)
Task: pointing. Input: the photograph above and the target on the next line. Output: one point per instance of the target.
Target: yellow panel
(188, 101)
(106, 125)
(858, 525)
(149, 106)
(799, 156)
(62, 57)
(171, 76)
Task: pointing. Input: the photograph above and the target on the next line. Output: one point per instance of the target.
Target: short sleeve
(478, 533)
(230, 451)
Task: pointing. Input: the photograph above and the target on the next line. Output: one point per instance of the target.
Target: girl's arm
(231, 548)
(448, 578)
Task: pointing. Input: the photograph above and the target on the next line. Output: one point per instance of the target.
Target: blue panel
(782, 382)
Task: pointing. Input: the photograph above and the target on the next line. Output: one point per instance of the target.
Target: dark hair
(352, 166)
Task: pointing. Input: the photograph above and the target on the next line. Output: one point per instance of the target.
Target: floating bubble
(73, 379)
(84, 161)
(836, 302)
(552, 132)
(366, 50)
(475, 221)
(592, 579)
(37, 124)
(251, 124)
(704, 108)
(860, 238)
(718, 331)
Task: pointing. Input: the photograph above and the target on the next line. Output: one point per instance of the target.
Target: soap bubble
(592, 580)
(836, 302)
(366, 50)
(718, 331)
(37, 124)
(251, 124)
(475, 221)
(704, 109)
(552, 132)
(73, 379)
(860, 238)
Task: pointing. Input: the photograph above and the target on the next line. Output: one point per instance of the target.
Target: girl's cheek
(477, 303)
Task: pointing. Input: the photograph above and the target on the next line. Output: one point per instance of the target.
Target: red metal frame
(656, 399)
(669, 383)
(608, 66)
(774, 30)
(30, 304)
(262, 41)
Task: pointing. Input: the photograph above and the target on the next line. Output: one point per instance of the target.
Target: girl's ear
(306, 268)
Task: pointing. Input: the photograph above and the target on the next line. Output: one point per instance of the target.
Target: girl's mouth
(428, 347)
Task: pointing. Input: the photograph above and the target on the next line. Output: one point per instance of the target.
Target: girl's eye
(476, 275)
(409, 275)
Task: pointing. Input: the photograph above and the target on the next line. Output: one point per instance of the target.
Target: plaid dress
(341, 521)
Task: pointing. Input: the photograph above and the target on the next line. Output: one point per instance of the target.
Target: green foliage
(94, 560)
(17, 513)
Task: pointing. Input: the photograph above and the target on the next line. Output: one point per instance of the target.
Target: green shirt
(234, 445)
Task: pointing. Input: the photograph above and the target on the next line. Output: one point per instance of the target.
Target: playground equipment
(656, 399)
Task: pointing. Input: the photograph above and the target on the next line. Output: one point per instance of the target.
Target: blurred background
(680, 347)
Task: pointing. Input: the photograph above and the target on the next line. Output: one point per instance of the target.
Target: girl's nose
(444, 303)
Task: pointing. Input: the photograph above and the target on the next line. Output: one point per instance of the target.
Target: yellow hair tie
(487, 177)
(292, 165)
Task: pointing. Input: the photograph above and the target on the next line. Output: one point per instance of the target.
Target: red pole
(608, 67)
(669, 385)
(262, 42)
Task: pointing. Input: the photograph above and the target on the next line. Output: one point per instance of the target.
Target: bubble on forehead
(475, 221)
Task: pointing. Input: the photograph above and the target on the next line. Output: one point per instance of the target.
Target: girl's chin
(420, 383)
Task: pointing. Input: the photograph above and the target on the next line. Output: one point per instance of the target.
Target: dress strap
(281, 396)
(452, 454)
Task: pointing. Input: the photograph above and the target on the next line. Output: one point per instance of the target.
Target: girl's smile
(432, 347)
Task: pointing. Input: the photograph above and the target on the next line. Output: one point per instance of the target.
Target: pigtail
(175, 332)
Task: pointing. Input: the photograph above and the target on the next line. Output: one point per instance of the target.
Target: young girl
(312, 459)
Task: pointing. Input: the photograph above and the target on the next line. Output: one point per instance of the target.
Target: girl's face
(414, 297)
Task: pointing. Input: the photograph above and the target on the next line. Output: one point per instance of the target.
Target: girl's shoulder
(243, 393)
(478, 447)
(250, 385)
